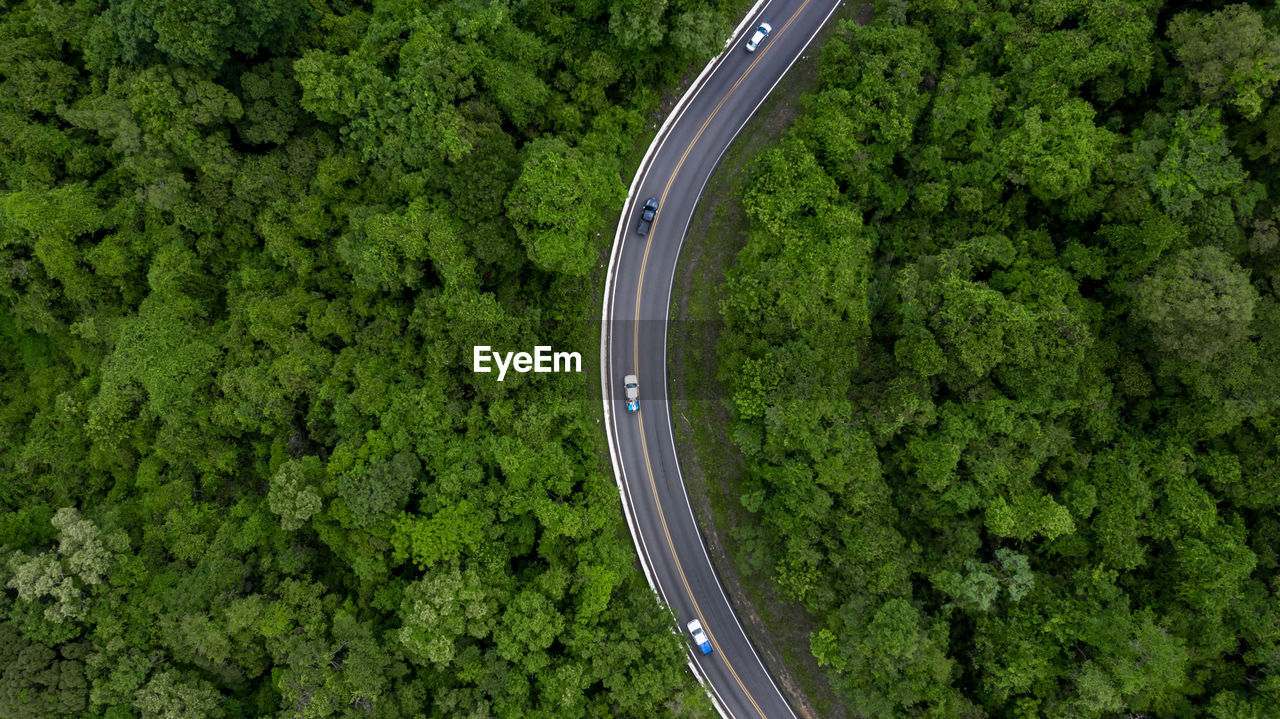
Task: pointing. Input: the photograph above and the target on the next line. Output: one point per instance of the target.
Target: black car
(646, 216)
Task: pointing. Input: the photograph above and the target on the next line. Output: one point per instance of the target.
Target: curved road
(634, 338)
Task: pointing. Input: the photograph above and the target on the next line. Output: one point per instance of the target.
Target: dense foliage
(246, 247)
(1004, 349)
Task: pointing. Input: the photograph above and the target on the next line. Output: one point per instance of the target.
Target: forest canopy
(245, 249)
(1004, 353)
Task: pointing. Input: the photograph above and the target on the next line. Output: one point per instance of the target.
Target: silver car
(631, 384)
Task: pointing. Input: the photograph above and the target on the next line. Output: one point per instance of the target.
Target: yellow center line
(644, 446)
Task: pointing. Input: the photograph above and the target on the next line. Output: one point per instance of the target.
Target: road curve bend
(634, 338)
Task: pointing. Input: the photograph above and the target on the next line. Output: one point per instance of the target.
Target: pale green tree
(293, 494)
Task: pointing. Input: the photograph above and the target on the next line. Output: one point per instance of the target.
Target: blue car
(699, 636)
(649, 212)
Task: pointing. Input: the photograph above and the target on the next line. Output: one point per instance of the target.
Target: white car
(761, 33)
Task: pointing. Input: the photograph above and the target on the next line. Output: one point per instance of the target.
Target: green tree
(202, 33)
(896, 661)
(1055, 153)
(637, 26)
(1230, 55)
(270, 103)
(699, 32)
(377, 491)
(1189, 163)
(554, 203)
(1196, 305)
(54, 220)
(38, 681)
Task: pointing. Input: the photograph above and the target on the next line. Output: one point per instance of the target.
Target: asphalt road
(635, 337)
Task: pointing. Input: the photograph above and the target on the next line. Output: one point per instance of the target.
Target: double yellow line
(644, 447)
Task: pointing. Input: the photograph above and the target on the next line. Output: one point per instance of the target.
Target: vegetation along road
(634, 336)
